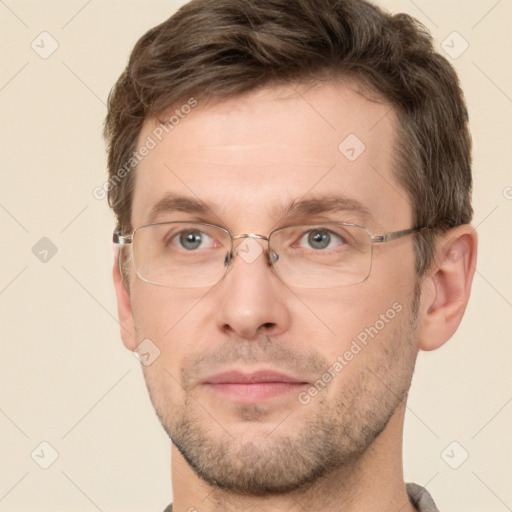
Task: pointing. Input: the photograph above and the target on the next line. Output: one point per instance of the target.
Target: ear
(124, 307)
(445, 292)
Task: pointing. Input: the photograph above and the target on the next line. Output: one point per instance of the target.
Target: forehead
(249, 158)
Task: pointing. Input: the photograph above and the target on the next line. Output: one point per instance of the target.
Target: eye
(192, 240)
(319, 239)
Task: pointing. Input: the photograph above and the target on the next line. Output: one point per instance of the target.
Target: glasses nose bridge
(252, 236)
(249, 235)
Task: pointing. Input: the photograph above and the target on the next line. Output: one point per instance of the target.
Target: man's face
(248, 159)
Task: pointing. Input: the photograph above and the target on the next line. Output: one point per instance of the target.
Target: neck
(373, 482)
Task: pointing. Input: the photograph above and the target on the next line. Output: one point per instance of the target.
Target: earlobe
(124, 307)
(446, 290)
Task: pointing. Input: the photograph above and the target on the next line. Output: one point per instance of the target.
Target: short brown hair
(215, 49)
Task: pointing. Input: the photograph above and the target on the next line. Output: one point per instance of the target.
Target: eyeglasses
(196, 255)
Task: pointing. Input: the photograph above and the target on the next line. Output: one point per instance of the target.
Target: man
(292, 183)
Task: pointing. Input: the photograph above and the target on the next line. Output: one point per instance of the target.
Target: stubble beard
(295, 455)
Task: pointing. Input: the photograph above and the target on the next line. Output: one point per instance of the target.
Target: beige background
(65, 377)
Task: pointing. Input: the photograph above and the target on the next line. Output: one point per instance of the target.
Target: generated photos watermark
(100, 192)
(356, 346)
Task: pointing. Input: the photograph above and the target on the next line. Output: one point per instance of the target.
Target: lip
(253, 387)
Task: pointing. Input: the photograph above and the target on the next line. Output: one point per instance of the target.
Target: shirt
(418, 495)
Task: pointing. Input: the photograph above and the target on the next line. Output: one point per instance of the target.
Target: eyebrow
(173, 203)
(321, 204)
(327, 203)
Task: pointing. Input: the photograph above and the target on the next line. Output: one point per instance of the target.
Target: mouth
(253, 387)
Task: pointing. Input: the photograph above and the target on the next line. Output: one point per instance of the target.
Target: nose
(251, 299)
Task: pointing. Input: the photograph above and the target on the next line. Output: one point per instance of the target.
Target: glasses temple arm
(120, 239)
(387, 237)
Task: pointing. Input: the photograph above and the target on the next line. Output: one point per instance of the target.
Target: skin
(248, 157)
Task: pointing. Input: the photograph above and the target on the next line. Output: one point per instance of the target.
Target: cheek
(346, 321)
(393, 267)
(341, 312)
(167, 316)
(164, 322)
(372, 334)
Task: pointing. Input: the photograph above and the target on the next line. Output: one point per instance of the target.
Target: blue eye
(190, 240)
(320, 239)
